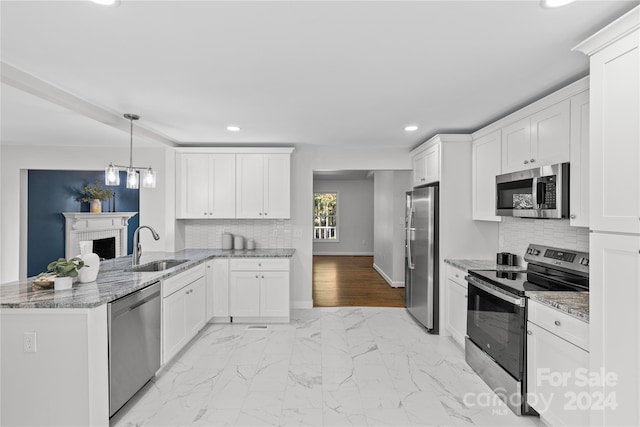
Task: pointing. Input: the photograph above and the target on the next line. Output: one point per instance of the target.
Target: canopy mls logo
(578, 396)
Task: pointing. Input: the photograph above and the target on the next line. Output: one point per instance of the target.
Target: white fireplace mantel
(81, 226)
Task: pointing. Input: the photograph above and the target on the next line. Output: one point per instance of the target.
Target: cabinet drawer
(179, 281)
(457, 275)
(259, 264)
(569, 328)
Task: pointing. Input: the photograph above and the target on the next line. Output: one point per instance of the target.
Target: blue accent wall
(52, 192)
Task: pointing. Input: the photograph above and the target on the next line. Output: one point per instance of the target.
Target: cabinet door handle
(457, 275)
(257, 276)
(263, 277)
(533, 160)
(526, 162)
(529, 333)
(205, 213)
(572, 216)
(265, 214)
(423, 179)
(260, 214)
(557, 323)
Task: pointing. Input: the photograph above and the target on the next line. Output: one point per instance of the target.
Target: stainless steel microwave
(534, 193)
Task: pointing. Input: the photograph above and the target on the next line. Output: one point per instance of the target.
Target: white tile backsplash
(517, 233)
(268, 234)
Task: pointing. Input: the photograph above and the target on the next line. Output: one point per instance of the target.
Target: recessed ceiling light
(106, 2)
(549, 4)
(233, 128)
(411, 128)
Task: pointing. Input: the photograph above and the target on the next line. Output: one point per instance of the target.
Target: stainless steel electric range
(495, 345)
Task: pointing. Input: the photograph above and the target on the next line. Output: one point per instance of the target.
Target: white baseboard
(387, 278)
(302, 304)
(343, 253)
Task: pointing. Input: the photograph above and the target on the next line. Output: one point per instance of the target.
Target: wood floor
(351, 281)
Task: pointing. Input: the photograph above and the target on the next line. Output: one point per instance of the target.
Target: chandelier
(112, 172)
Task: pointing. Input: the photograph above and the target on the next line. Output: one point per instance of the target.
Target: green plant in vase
(65, 271)
(95, 194)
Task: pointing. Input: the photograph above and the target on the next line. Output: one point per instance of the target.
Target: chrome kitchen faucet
(137, 247)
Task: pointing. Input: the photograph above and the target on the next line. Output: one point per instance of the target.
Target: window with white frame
(325, 217)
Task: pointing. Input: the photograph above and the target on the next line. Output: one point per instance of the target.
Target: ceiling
(341, 175)
(315, 72)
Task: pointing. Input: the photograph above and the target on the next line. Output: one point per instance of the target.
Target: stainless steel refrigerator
(421, 256)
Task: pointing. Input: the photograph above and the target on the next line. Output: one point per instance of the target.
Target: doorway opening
(358, 247)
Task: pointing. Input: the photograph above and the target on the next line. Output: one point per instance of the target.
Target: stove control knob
(532, 251)
(584, 261)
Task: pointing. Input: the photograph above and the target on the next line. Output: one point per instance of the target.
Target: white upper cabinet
(614, 135)
(579, 167)
(249, 185)
(538, 140)
(277, 186)
(516, 146)
(206, 185)
(233, 183)
(550, 131)
(485, 165)
(426, 166)
(263, 186)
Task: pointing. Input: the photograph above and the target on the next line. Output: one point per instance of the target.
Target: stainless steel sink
(160, 265)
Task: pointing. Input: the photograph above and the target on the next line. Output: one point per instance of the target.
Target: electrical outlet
(29, 342)
(297, 233)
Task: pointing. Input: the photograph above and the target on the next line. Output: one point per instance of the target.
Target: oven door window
(497, 327)
(515, 195)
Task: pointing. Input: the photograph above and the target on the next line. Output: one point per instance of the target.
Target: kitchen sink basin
(163, 264)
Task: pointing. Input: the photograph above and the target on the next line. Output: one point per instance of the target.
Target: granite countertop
(481, 264)
(575, 304)
(114, 282)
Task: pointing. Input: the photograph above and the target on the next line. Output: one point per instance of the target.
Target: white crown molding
(616, 30)
(561, 94)
(235, 150)
(29, 83)
(441, 137)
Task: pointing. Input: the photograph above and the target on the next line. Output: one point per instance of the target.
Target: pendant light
(112, 172)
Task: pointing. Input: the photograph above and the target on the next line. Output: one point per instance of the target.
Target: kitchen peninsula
(65, 368)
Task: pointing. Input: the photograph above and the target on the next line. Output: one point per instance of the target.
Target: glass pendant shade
(133, 180)
(111, 175)
(134, 173)
(149, 178)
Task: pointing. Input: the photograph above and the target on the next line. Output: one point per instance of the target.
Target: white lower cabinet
(183, 310)
(456, 296)
(218, 290)
(259, 288)
(244, 297)
(557, 365)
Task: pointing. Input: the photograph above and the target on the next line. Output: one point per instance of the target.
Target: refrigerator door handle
(411, 232)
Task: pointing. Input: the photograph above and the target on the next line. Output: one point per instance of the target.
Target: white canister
(227, 241)
(238, 243)
(251, 244)
(89, 272)
(62, 283)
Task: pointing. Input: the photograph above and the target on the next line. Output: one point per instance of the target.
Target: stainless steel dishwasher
(134, 343)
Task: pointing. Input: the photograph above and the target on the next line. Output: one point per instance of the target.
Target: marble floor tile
(345, 366)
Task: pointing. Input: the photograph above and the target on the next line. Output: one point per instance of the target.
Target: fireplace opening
(105, 248)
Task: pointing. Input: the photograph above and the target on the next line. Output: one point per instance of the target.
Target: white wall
(154, 203)
(390, 189)
(355, 217)
(305, 160)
